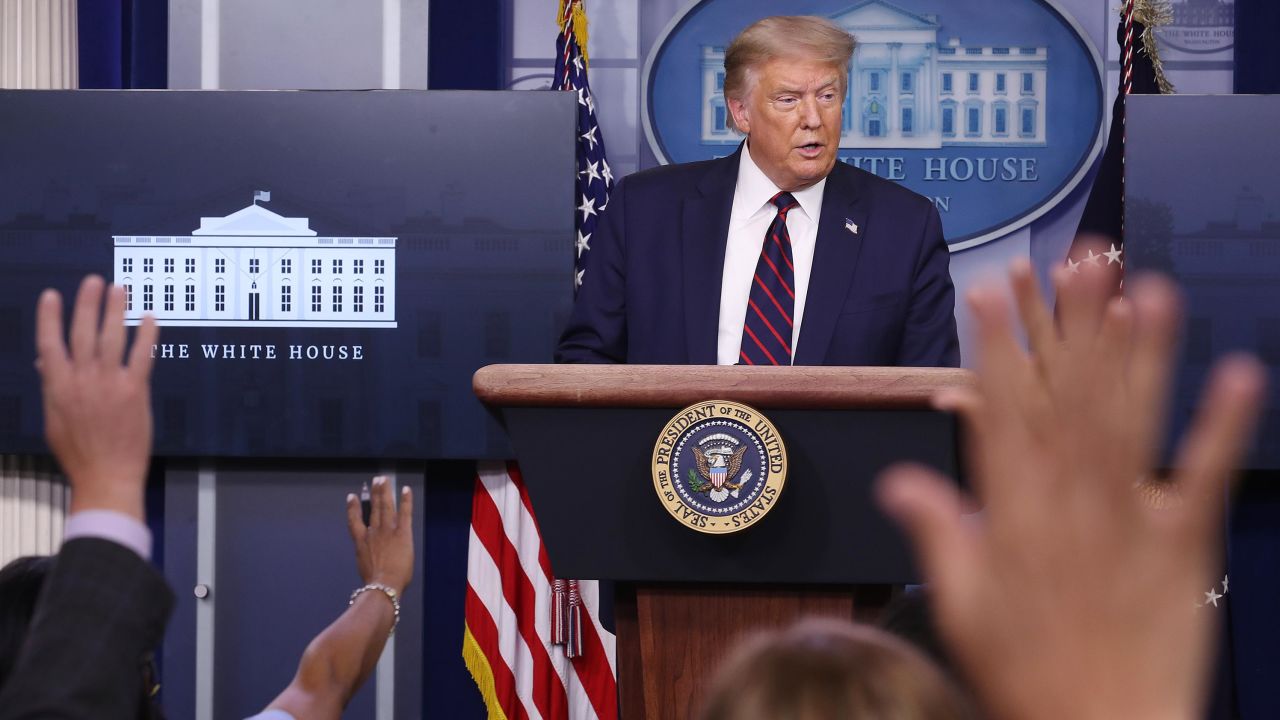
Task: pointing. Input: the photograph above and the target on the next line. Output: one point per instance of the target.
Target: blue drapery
(123, 43)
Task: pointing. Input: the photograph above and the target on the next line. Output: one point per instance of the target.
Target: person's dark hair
(20, 583)
(820, 669)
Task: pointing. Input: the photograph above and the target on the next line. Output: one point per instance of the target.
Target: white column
(927, 98)
(892, 125)
(38, 47)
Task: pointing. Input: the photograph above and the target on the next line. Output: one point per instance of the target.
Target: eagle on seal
(718, 465)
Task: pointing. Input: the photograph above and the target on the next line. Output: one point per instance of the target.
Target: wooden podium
(584, 436)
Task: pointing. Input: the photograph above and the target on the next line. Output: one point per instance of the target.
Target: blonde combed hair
(784, 36)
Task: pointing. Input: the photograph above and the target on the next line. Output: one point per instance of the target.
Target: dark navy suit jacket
(102, 608)
(651, 290)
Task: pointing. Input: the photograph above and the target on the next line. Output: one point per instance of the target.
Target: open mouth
(810, 149)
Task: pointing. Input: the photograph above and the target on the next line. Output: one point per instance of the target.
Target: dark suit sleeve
(597, 329)
(929, 339)
(101, 610)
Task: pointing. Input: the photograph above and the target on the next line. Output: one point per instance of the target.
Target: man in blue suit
(777, 254)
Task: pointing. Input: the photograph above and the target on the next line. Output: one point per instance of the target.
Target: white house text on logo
(906, 90)
(255, 268)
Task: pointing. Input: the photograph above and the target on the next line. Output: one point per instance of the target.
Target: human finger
(111, 339)
(1157, 311)
(1005, 381)
(966, 405)
(84, 320)
(406, 509)
(1036, 319)
(378, 506)
(1219, 436)
(50, 348)
(1082, 297)
(140, 357)
(929, 509)
(355, 520)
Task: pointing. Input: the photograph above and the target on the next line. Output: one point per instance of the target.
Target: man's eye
(786, 101)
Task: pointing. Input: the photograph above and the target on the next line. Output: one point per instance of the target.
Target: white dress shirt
(752, 214)
(110, 525)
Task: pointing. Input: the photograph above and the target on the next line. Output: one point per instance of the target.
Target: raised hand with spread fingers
(1070, 595)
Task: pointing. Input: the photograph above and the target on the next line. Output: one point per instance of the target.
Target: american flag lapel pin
(851, 226)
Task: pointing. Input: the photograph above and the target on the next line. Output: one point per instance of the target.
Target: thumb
(928, 507)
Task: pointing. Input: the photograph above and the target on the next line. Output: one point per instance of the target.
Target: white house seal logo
(992, 109)
(719, 467)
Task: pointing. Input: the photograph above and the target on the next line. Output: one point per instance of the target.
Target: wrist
(129, 503)
(390, 594)
(397, 584)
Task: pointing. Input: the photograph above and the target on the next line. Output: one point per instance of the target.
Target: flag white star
(1211, 598)
(582, 96)
(1093, 259)
(591, 104)
(1073, 266)
(608, 174)
(582, 242)
(1114, 256)
(577, 279)
(1225, 581)
(590, 137)
(591, 171)
(588, 207)
(577, 62)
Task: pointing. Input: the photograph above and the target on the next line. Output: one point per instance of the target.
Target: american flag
(595, 179)
(1102, 223)
(533, 643)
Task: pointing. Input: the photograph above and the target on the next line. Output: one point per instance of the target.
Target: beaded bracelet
(391, 595)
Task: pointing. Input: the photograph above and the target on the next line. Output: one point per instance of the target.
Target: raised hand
(1070, 595)
(97, 404)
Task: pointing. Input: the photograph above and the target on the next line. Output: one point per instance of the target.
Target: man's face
(791, 115)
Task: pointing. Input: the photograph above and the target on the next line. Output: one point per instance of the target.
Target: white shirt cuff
(110, 525)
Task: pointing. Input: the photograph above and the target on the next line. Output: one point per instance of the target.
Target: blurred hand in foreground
(1070, 596)
(97, 404)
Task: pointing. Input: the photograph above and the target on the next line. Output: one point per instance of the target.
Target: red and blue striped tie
(766, 335)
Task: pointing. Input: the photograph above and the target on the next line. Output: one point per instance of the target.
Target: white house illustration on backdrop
(907, 90)
(254, 268)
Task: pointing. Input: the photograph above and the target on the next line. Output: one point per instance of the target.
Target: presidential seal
(718, 466)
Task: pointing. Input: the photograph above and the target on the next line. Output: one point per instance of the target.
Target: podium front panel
(588, 471)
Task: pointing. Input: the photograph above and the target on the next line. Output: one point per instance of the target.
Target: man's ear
(738, 109)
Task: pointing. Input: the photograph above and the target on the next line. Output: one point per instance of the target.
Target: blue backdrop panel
(408, 239)
(1204, 207)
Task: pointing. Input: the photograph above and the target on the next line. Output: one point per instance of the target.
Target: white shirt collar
(754, 190)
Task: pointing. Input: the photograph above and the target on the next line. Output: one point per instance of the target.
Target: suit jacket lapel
(835, 258)
(704, 232)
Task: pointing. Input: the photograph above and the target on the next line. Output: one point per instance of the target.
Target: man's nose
(810, 115)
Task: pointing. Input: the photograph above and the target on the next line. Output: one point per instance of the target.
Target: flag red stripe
(483, 629)
(548, 691)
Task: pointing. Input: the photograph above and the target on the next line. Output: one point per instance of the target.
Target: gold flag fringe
(579, 25)
(1154, 14)
(478, 665)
